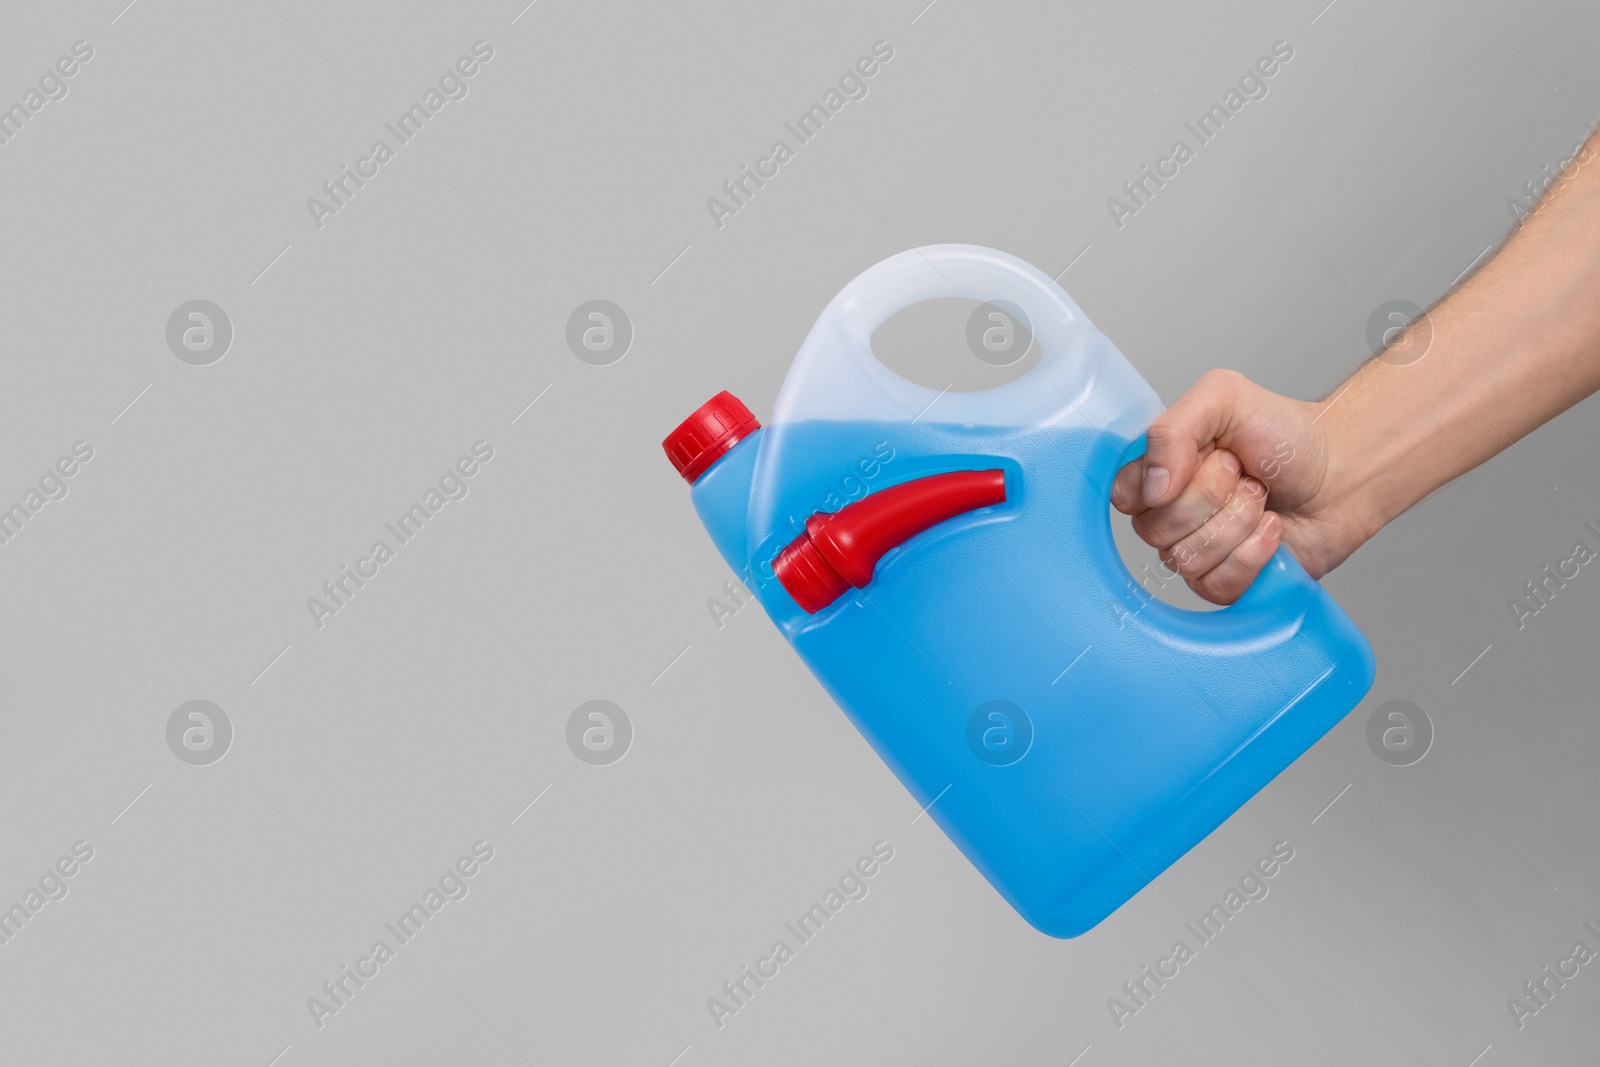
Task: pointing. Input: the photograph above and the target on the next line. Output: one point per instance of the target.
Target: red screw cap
(708, 435)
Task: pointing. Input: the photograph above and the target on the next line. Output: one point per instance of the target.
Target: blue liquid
(1141, 727)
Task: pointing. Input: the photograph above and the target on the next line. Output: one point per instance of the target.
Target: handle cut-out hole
(961, 345)
(1144, 564)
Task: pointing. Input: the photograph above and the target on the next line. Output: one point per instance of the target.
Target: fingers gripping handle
(1280, 591)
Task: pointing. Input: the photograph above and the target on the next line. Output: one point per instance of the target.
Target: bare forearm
(1515, 346)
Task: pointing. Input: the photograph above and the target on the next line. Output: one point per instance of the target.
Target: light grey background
(425, 316)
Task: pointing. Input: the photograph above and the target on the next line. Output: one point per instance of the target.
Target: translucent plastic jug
(944, 564)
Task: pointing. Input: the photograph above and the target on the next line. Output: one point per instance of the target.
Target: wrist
(1366, 482)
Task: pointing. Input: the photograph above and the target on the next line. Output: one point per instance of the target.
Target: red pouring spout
(839, 551)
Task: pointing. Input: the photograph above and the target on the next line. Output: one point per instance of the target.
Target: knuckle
(1162, 435)
(1210, 588)
(1222, 379)
(1218, 486)
(1123, 495)
(1255, 553)
(1148, 527)
(1248, 501)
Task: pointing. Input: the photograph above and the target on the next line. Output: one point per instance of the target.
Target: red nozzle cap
(808, 577)
(840, 551)
(708, 434)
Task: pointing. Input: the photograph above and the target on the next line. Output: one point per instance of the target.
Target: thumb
(1184, 434)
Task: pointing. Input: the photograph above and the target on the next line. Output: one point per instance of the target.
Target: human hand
(1231, 470)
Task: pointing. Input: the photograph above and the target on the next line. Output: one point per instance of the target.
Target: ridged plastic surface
(1127, 729)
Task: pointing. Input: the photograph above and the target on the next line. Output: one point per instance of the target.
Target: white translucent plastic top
(836, 376)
